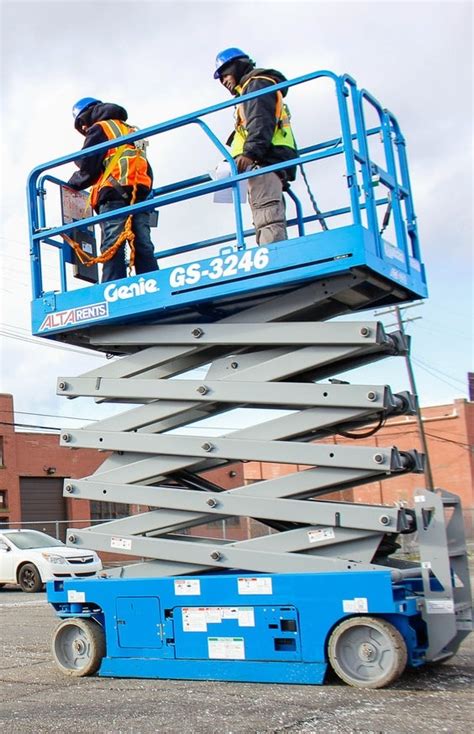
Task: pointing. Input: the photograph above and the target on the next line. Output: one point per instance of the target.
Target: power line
(46, 343)
(49, 415)
(29, 425)
(435, 369)
(451, 440)
(437, 377)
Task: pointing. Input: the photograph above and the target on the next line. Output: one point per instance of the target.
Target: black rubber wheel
(1, 586)
(78, 646)
(29, 578)
(367, 652)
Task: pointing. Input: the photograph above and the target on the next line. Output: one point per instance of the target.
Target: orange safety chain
(126, 234)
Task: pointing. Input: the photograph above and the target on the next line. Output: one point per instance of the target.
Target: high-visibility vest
(282, 135)
(126, 165)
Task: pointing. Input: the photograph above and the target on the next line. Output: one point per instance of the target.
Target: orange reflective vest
(125, 165)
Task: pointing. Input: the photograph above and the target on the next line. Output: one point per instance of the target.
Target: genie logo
(141, 287)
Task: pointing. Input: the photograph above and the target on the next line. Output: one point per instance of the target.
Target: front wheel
(29, 578)
(367, 652)
(78, 646)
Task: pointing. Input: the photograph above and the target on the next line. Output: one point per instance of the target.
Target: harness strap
(127, 234)
(107, 173)
(279, 102)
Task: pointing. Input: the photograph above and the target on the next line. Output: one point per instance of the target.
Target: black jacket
(91, 168)
(260, 122)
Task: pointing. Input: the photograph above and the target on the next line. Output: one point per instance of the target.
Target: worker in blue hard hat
(262, 136)
(118, 177)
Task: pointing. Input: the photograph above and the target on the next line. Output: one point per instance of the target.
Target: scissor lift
(322, 585)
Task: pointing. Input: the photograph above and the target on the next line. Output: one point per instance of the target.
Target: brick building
(33, 467)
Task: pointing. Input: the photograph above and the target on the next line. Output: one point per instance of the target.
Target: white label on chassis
(187, 587)
(226, 648)
(75, 596)
(252, 585)
(358, 605)
(196, 619)
(220, 267)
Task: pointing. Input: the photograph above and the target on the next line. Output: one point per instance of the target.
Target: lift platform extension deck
(321, 586)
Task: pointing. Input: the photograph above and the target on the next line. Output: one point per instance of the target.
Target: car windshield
(28, 539)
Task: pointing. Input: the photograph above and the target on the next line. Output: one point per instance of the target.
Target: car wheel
(367, 652)
(78, 646)
(29, 578)
(1, 586)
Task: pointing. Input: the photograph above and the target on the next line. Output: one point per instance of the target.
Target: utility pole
(411, 378)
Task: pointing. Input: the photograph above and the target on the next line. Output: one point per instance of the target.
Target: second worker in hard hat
(116, 176)
(262, 136)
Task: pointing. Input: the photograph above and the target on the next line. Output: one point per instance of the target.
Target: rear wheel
(367, 652)
(29, 578)
(78, 646)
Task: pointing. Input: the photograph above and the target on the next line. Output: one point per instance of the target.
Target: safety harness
(282, 135)
(106, 178)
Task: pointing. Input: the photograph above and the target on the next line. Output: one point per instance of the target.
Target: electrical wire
(46, 343)
(432, 371)
(450, 440)
(49, 415)
(29, 425)
(436, 369)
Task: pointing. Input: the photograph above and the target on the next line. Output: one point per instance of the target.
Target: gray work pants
(268, 208)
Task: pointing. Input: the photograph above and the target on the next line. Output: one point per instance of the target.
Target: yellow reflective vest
(283, 134)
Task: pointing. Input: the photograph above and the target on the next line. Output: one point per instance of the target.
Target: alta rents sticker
(74, 316)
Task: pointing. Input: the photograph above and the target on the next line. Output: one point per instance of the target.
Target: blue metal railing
(351, 144)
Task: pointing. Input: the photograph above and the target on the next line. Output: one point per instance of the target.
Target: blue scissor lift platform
(320, 585)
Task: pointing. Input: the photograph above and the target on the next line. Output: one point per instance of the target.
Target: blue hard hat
(227, 55)
(82, 105)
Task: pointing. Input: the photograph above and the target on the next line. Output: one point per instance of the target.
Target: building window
(3, 499)
(108, 510)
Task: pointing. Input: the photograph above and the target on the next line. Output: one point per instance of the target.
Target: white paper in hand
(224, 196)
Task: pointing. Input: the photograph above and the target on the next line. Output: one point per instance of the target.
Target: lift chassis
(252, 328)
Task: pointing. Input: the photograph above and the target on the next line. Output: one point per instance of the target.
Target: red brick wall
(30, 454)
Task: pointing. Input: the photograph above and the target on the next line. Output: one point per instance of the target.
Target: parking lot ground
(37, 698)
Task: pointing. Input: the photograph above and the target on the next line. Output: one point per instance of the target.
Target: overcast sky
(157, 59)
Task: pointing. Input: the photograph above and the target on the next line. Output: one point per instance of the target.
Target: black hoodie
(260, 121)
(91, 168)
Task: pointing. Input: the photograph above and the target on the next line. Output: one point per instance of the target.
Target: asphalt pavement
(37, 698)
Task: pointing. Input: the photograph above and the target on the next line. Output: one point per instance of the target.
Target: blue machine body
(240, 627)
(274, 627)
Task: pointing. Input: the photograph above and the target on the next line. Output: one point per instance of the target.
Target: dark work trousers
(145, 260)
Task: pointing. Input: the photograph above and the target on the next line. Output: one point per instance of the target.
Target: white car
(30, 558)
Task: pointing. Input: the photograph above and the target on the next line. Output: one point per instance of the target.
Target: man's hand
(244, 163)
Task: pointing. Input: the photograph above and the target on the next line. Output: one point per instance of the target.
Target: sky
(157, 59)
